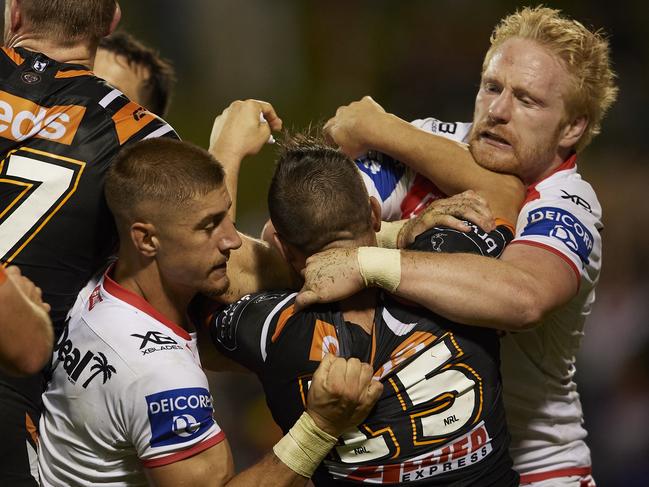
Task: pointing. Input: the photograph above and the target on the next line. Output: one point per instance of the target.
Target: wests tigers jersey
(60, 127)
(440, 419)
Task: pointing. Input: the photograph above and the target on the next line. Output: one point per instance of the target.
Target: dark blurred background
(422, 58)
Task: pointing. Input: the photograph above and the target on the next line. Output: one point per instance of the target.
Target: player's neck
(80, 53)
(360, 308)
(147, 283)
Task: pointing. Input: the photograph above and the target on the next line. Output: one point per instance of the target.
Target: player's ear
(293, 256)
(375, 207)
(117, 16)
(573, 131)
(15, 17)
(144, 238)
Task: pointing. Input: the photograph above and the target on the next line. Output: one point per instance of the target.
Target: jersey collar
(117, 291)
(533, 193)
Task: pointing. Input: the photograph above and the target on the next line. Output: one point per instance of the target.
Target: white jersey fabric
(562, 215)
(127, 392)
(402, 192)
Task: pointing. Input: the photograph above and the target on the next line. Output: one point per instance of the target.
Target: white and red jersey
(127, 392)
(562, 215)
(402, 192)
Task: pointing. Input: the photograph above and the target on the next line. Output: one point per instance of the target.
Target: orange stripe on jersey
(506, 223)
(73, 73)
(13, 55)
(325, 340)
(21, 119)
(3, 274)
(130, 119)
(281, 322)
(31, 428)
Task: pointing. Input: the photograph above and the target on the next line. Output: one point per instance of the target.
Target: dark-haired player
(136, 70)
(440, 419)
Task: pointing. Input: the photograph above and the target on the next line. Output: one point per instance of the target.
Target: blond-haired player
(546, 85)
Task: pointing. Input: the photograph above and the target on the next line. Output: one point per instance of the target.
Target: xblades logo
(156, 338)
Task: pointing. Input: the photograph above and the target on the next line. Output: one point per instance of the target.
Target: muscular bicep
(211, 467)
(544, 275)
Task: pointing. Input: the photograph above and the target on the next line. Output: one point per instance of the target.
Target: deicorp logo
(179, 415)
(562, 225)
(21, 119)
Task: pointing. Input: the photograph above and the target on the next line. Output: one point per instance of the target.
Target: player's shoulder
(264, 309)
(458, 131)
(140, 341)
(567, 192)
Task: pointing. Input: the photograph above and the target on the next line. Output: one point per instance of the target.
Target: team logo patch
(179, 415)
(563, 226)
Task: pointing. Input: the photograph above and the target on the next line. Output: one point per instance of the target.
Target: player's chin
(216, 287)
(493, 158)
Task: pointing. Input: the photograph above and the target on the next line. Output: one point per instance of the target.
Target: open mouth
(495, 139)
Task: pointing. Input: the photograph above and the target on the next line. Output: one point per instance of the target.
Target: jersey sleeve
(170, 415)
(566, 222)
(401, 192)
(477, 241)
(244, 330)
(133, 122)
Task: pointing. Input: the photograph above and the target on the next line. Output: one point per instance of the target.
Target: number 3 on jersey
(38, 184)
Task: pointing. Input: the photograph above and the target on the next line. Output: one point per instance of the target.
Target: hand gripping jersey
(440, 419)
(402, 192)
(562, 215)
(60, 127)
(127, 391)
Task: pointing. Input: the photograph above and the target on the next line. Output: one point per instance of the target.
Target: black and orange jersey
(60, 127)
(440, 419)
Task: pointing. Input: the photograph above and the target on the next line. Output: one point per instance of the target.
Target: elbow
(35, 354)
(528, 311)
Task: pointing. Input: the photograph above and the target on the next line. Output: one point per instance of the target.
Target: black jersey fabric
(60, 128)
(440, 419)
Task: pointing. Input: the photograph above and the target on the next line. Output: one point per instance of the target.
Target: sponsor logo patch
(179, 415)
(156, 338)
(563, 226)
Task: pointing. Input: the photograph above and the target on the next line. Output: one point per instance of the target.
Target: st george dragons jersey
(127, 392)
(440, 419)
(60, 128)
(402, 192)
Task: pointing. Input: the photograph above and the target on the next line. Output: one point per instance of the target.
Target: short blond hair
(584, 53)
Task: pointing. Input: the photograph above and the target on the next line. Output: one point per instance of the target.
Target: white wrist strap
(304, 447)
(380, 267)
(389, 233)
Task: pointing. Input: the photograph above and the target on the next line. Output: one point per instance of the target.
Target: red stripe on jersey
(13, 55)
(532, 192)
(73, 73)
(555, 474)
(130, 119)
(189, 452)
(555, 252)
(142, 304)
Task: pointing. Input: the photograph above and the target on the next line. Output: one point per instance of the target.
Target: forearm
(255, 267)
(447, 163)
(469, 289)
(231, 166)
(269, 471)
(26, 335)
